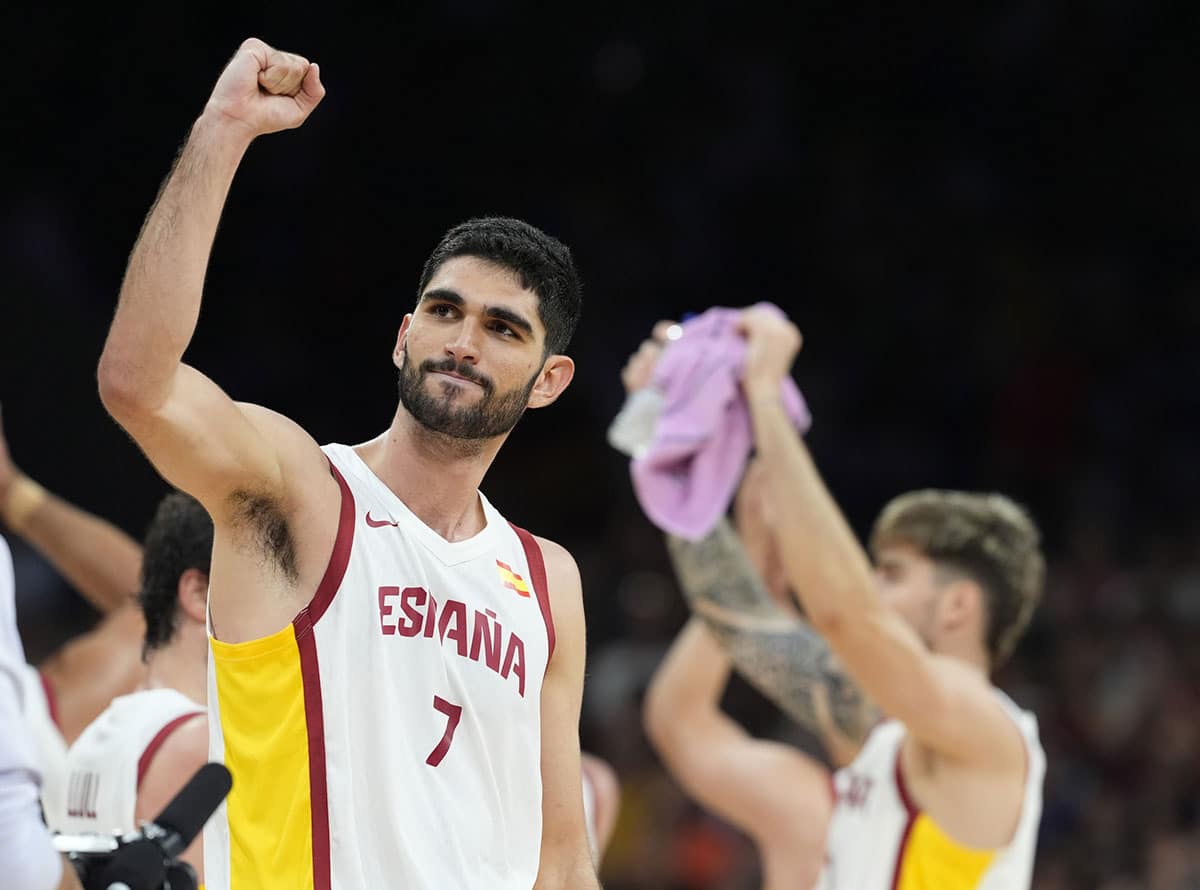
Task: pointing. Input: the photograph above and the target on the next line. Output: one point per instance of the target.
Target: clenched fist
(772, 343)
(265, 90)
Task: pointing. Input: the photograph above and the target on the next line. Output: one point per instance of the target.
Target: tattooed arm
(775, 651)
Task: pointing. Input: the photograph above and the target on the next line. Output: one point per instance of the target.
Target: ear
(961, 603)
(556, 376)
(401, 341)
(193, 594)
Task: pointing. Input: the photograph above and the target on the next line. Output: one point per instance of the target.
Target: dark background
(982, 216)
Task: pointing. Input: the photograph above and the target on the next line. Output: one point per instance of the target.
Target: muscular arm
(96, 557)
(566, 860)
(773, 792)
(942, 702)
(778, 653)
(195, 435)
(251, 468)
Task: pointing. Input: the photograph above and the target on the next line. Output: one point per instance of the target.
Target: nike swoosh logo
(380, 523)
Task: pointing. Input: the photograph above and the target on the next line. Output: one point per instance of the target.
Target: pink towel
(687, 478)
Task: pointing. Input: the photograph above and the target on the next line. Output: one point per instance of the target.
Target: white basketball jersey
(390, 736)
(878, 840)
(51, 747)
(106, 763)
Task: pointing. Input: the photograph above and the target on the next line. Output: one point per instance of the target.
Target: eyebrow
(445, 295)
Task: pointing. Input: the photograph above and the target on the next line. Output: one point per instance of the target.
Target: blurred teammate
(77, 681)
(27, 857)
(137, 755)
(774, 792)
(956, 581)
(396, 672)
(601, 803)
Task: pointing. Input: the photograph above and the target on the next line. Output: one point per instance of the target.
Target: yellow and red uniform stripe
(928, 858)
(271, 715)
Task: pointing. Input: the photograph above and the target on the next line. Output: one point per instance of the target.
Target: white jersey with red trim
(49, 744)
(106, 763)
(412, 683)
(878, 840)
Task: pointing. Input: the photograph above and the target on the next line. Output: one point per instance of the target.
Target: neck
(967, 650)
(437, 476)
(181, 664)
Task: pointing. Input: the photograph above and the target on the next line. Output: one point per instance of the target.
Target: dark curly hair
(180, 537)
(541, 263)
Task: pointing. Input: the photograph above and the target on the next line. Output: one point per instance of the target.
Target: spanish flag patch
(511, 579)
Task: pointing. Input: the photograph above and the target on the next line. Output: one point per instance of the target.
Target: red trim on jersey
(913, 812)
(537, 575)
(314, 718)
(51, 699)
(340, 557)
(157, 742)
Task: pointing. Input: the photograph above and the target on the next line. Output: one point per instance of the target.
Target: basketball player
(28, 858)
(957, 578)
(137, 755)
(77, 681)
(775, 793)
(395, 672)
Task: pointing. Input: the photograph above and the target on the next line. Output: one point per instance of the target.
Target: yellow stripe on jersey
(260, 705)
(934, 861)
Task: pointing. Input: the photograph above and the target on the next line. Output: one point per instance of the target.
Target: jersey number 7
(453, 715)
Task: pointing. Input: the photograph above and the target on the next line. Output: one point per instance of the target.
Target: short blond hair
(987, 537)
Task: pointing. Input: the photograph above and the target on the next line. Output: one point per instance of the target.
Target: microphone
(182, 819)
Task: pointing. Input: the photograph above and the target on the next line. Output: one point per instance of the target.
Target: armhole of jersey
(51, 699)
(340, 557)
(537, 571)
(157, 742)
(335, 571)
(911, 813)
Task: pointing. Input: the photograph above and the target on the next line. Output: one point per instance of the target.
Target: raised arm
(566, 859)
(774, 650)
(97, 558)
(196, 436)
(741, 594)
(941, 701)
(775, 793)
(264, 481)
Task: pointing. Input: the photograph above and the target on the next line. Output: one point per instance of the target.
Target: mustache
(450, 366)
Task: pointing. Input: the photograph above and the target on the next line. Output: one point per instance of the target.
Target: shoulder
(178, 757)
(560, 565)
(565, 591)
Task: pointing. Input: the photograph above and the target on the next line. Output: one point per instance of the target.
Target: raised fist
(265, 90)
(772, 343)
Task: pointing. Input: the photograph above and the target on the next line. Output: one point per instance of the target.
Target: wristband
(24, 498)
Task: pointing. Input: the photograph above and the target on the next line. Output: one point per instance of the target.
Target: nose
(463, 345)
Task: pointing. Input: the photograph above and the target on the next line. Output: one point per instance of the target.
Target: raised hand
(639, 369)
(772, 343)
(264, 90)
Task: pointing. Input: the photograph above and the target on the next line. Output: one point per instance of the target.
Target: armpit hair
(261, 520)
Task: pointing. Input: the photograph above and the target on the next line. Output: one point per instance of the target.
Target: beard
(492, 415)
